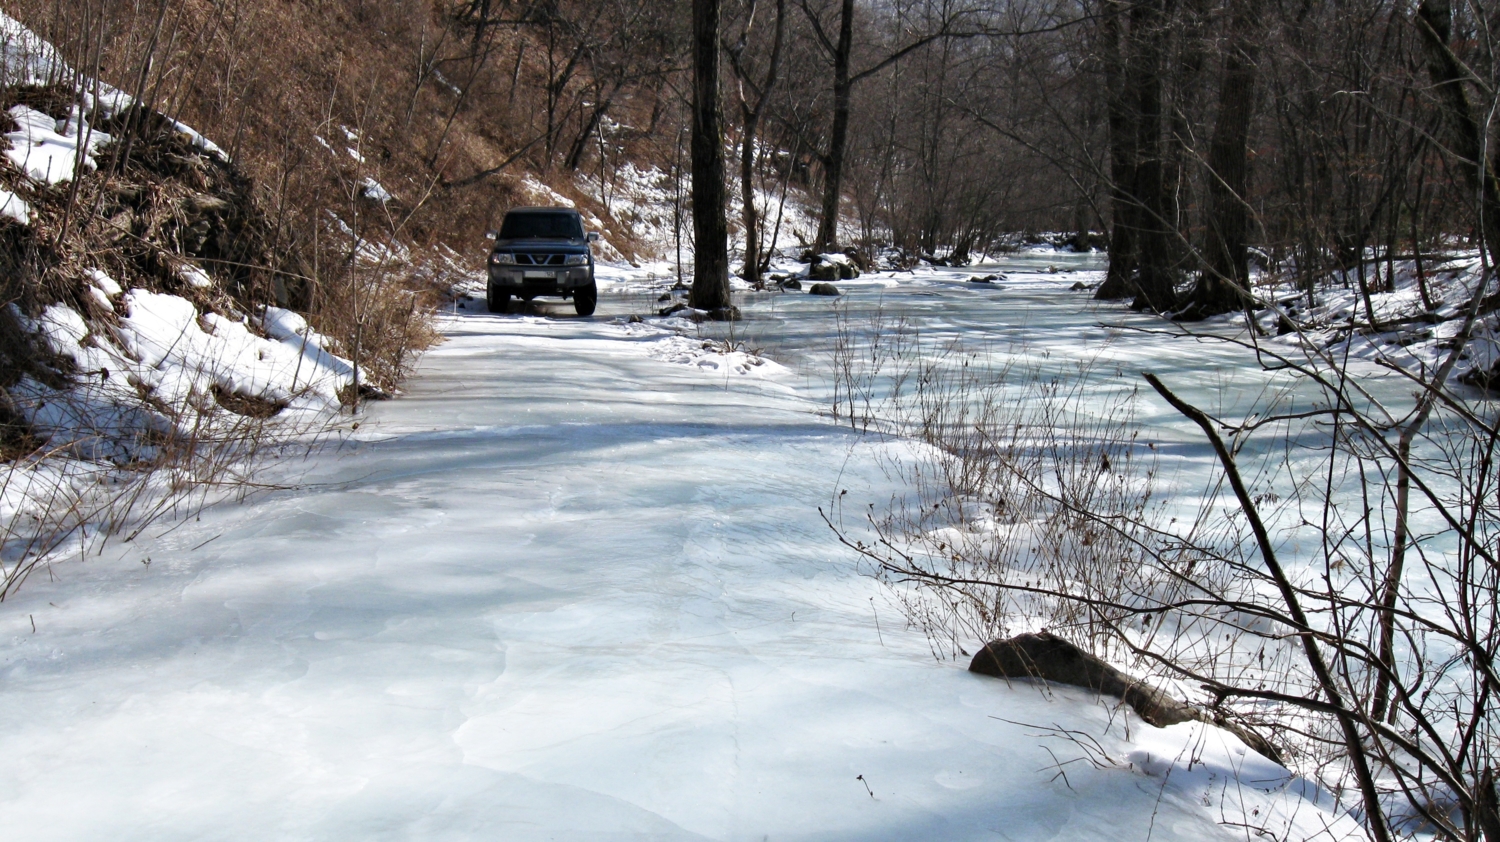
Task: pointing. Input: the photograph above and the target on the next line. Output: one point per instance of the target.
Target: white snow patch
(194, 276)
(109, 286)
(165, 348)
(544, 193)
(373, 189)
(100, 297)
(46, 150)
(713, 357)
(15, 207)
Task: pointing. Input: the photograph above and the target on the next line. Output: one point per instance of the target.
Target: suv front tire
(586, 299)
(497, 302)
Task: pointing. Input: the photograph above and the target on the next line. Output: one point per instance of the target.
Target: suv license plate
(540, 276)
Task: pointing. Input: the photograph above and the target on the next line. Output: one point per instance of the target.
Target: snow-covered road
(567, 588)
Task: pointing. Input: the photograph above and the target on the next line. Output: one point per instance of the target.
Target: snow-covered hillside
(118, 381)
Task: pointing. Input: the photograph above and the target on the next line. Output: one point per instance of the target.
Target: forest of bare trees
(1188, 137)
(1197, 135)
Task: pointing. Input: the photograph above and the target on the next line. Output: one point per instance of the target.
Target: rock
(1049, 658)
(824, 289)
(1482, 378)
(1053, 659)
(791, 283)
(1052, 269)
(861, 262)
(202, 204)
(679, 287)
(807, 256)
(833, 267)
(120, 226)
(1078, 286)
(664, 297)
(124, 193)
(987, 279)
(683, 311)
(635, 319)
(823, 272)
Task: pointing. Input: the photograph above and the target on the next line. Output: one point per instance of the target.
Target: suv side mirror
(593, 236)
(490, 235)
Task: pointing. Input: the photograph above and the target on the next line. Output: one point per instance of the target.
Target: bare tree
(839, 51)
(1224, 283)
(710, 289)
(754, 96)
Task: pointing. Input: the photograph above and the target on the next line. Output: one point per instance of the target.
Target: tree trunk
(1224, 284)
(1434, 21)
(1155, 273)
(1119, 280)
(580, 144)
(749, 216)
(1187, 83)
(710, 227)
(833, 170)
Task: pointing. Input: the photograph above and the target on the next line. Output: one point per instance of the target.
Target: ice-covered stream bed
(575, 585)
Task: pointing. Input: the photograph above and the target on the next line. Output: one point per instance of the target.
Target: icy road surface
(574, 586)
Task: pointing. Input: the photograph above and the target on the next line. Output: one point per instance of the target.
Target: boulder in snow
(1049, 658)
(861, 261)
(824, 289)
(833, 267)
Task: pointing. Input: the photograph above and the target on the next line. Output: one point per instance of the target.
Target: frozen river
(575, 585)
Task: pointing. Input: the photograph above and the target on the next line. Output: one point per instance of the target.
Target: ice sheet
(571, 588)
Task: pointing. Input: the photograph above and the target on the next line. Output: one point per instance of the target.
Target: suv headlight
(576, 260)
(503, 258)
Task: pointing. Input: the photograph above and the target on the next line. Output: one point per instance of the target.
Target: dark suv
(542, 251)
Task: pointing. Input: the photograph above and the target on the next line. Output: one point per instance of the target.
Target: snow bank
(1405, 333)
(712, 357)
(160, 368)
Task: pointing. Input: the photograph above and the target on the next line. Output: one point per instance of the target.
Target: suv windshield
(554, 226)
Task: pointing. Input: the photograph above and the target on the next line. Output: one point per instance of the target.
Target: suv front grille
(523, 259)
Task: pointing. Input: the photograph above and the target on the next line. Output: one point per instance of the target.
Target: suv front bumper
(529, 281)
